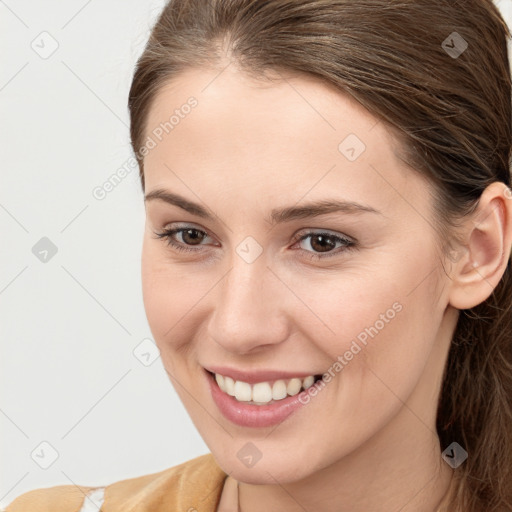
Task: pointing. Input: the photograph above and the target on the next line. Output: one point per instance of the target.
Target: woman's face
(356, 293)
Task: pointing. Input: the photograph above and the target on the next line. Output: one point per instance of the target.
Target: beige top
(195, 484)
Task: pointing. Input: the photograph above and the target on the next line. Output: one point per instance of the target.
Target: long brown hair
(436, 72)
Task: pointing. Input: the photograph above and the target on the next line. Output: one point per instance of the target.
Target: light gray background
(75, 343)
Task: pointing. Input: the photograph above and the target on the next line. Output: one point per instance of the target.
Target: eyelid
(295, 238)
(322, 231)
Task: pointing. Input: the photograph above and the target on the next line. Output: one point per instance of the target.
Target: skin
(367, 441)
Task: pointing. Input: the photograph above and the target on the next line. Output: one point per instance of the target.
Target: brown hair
(452, 115)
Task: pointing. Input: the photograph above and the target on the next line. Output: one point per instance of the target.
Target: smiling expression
(289, 246)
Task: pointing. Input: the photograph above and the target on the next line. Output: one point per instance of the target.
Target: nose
(250, 308)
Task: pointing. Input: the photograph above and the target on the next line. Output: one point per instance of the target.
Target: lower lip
(249, 415)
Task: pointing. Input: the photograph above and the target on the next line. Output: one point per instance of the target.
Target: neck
(406, 474)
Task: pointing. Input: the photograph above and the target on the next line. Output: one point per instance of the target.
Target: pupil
(194, 238)
(325, 242)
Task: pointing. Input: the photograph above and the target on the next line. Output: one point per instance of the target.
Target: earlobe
(488, 249)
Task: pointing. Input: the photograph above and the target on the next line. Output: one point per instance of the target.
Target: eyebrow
(277, 215)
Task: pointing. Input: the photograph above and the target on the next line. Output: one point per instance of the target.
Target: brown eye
(321, 242)
(192, 236)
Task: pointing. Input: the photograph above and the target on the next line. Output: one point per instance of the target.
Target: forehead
(296, 133)
(231, 103)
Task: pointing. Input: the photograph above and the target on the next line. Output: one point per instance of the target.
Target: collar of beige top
(229, 498)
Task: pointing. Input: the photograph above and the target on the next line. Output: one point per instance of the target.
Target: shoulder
(61, 498)
(194, 484)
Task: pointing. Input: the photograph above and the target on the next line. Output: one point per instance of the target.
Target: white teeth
(293, 386)
(279, 390)
(229, 386)
(308, 381)
(243, 391)
(262, 393)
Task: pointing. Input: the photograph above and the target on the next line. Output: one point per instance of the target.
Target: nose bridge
(246, 314)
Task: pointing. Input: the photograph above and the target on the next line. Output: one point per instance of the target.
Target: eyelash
(349, 244)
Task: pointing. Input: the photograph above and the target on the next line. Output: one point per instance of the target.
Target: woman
(326, 259)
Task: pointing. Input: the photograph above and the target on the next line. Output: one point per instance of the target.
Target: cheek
(172, 294)
(372, 326)
(396, 357)
(162, 291)
(347, 307)
(382, 342)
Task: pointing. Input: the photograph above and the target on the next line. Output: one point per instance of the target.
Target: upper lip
(254, 376)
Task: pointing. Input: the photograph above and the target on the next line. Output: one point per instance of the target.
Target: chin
(283, 468)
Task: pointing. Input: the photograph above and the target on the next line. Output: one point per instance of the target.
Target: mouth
(263, 392)
(253, 404)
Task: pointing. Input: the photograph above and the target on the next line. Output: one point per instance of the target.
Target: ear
(488, 235)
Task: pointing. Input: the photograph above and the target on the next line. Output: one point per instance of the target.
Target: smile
(263, 393)
(268, 399)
